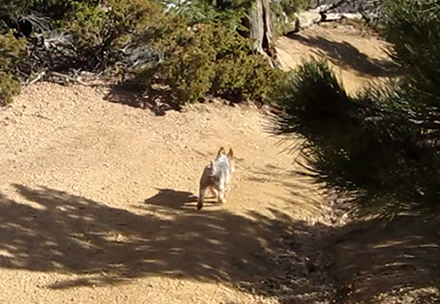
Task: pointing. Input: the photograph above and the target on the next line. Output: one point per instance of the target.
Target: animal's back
(222, 171)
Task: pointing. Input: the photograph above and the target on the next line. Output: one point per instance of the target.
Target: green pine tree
(380, 146)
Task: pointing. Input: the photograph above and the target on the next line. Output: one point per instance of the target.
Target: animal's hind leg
(214, 192)
(202, 193)
(221, 196)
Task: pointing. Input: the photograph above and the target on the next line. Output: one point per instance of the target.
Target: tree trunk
(260, 29)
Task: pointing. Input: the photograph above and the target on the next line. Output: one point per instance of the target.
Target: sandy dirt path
(97, 199)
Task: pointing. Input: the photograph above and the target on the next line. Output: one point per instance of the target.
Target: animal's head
(229, 156)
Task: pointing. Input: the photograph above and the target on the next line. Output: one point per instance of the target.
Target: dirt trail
(357, 56)
(97, 201)
(97, 205)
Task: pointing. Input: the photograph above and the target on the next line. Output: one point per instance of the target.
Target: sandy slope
(357, 56)
(97, 201)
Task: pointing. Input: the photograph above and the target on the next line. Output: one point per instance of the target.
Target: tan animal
(216, 177)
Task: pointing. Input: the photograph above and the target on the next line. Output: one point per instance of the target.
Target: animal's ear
(221, 152)
(230, 153)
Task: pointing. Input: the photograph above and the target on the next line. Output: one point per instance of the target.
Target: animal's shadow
(173, 199)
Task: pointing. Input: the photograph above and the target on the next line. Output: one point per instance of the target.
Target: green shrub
(200, 52)
(381, 145)
(13, 8)
(100, 32)
(413, 28)
(9, 87)
(52, 11)
(284, 14)
(245, 77)
(209, 59)
(229, 14)
(368, 146)
(11, 52)
(188, 65)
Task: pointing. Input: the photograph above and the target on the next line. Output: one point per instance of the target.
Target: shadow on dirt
(172, 199)
(372, 259)
(60, 232)
(302, 191)
(268, 254)
(364, 259)
(157, 100)
(346, 55)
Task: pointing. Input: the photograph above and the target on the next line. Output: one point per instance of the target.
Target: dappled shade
(66, 233)
(345, 55)
(60, 232)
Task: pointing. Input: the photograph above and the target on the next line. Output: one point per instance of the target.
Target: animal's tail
(212, 166)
